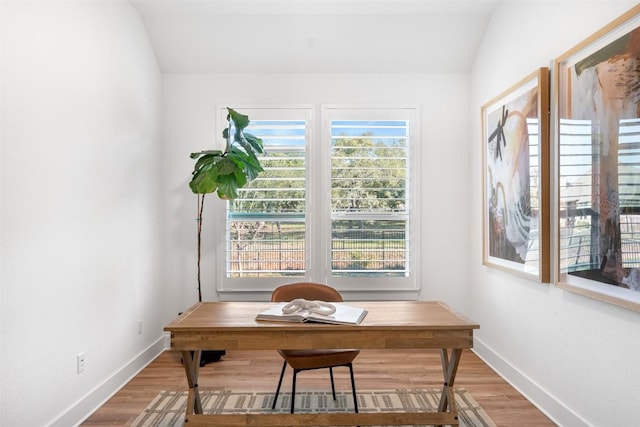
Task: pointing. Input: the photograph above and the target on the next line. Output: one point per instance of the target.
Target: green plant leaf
(204, 181)
(254, 142)
(240, 121)
(202, 153)
(241, 178)
(227, 187)
(226, 171)
(227, 166)
(249, 163)
(205, 161)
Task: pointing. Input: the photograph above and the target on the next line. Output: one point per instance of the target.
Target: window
(333, 206)
(369, 212)
(267, 232)
(266, 224)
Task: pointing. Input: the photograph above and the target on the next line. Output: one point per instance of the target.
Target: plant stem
(199, 219)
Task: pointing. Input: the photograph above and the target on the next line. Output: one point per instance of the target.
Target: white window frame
(263, 284)
(396, 287)
(318, 217)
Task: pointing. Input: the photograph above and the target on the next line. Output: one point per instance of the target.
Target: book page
(344, 314)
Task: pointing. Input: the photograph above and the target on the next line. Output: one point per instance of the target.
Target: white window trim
(318, 269)
(243, 288)
(401, 287)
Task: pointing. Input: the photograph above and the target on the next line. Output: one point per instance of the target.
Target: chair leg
(353, 388)
(293, 389)
(275, 398)
(333, 387)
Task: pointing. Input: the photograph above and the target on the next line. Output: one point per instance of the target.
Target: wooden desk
(388, 325)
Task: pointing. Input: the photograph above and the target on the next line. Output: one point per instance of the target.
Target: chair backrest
(307, 290)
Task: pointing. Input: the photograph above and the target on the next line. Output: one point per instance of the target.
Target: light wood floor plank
(374, 369)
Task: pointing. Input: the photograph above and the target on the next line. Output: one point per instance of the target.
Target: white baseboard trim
(87, 405)
(538, 396)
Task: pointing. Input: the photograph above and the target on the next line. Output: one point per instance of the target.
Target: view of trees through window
(365, 221)
(368, 197)
(267, 222)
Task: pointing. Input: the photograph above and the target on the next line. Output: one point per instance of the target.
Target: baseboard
(537, 395)
(83, 408)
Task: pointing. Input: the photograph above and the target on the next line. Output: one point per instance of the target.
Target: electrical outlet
(139, 326)
(81, 361)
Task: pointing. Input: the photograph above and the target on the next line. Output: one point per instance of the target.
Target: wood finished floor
(374, 369)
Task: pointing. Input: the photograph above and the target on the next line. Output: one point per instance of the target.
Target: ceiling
(315, 36)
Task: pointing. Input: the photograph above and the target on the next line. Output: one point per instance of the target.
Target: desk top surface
(382, 315)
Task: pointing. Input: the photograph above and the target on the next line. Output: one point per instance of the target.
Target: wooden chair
(303, 360)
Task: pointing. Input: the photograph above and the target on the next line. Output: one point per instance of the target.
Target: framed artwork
(599, 164)
(515, 147)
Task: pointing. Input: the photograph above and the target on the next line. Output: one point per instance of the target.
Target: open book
(344, 315)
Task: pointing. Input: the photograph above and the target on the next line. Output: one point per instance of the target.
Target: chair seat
(315, 359)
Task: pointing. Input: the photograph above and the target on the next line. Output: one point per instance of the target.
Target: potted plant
(224, 172)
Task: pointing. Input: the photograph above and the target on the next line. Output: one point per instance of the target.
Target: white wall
(81, 222)
(189, 102)
(574, 356)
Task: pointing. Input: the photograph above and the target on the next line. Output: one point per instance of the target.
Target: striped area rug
(167, 409)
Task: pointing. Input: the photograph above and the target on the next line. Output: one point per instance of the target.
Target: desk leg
(192, 368)
(449, 369)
